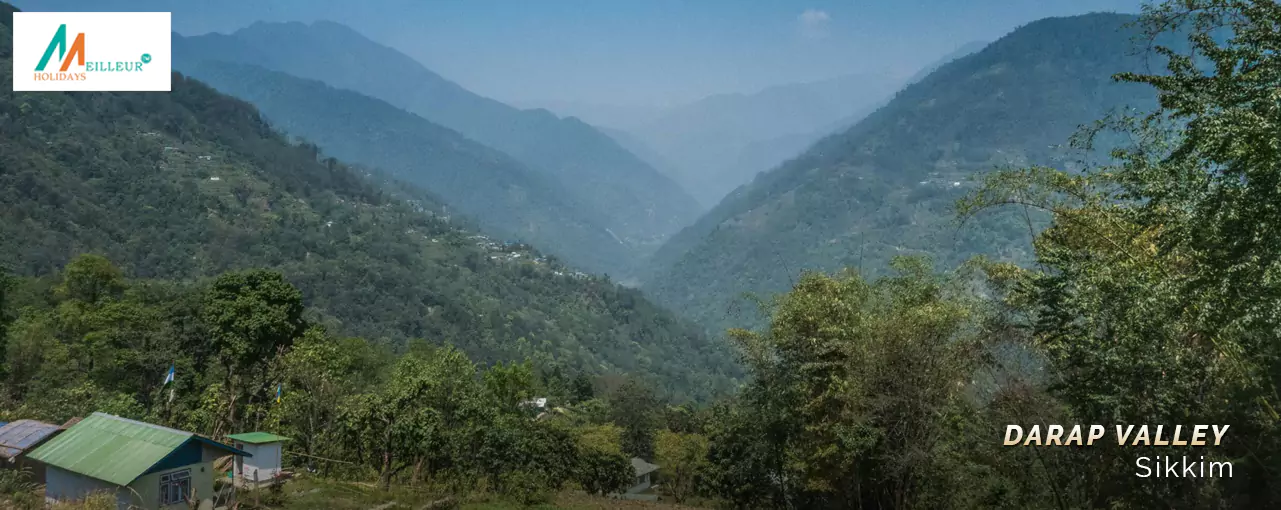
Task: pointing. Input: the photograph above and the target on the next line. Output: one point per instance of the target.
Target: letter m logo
(59, 43)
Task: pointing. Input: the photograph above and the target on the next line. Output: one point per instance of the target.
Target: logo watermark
(92, 51)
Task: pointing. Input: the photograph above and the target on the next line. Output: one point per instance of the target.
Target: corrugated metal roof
(257, 437)
(19, 436)
(112, 448)
(643, 467)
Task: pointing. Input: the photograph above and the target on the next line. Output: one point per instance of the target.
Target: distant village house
(642, 481)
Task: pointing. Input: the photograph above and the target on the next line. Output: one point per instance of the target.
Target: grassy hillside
(192, 183)
(887, 185)
(631, 198)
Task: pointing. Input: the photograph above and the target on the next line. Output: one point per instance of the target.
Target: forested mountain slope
(503, 194)
(760, 155)
(631, 198)
(188, 184)
(887, 185)
(962, 51)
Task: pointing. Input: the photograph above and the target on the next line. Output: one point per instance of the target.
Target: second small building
(262, 467)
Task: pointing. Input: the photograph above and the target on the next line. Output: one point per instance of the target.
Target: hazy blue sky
(636, 51)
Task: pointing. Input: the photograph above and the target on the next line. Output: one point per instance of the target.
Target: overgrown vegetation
(90, 339)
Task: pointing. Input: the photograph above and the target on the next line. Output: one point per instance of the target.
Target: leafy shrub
(526, 488)
(603, 473)
(13, 481)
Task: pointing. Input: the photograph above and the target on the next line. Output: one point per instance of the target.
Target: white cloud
(813, 23)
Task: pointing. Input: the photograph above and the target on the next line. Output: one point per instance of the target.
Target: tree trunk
(229, 387)
(384, 476)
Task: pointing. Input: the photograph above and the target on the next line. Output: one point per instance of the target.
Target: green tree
(601, 472)
(634, 407)
(128, 343)
(408, 418)
(606, 437)
(509, 384)
(94, 340)
(853, 385)
(602, 467)
(747, 464)
(319, 371)
(581, 388)
(685, 418)
(6, 316)
(35, 359)
(89, 278)
(516, 451)
(682, 458)
(1155, 297)
(252, 317)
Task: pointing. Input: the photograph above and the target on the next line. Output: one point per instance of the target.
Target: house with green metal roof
(146, 466)
(263, 467)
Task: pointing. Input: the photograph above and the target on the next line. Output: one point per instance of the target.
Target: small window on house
(175, 487)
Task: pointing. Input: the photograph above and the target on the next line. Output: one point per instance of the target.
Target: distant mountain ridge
(606, 117)
(503, 194)
(886, 186)
(762, 155)
(961, 51)
(721, 142)
(708, 141)
(632, 199)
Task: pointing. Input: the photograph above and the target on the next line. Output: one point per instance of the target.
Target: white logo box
(123, 51)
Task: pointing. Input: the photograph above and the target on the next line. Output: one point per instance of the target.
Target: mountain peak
(721, 141)
(320, 24)
(333, 25)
